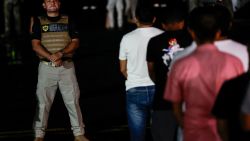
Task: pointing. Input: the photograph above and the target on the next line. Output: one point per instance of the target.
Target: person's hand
(56, 56)
(58, 63)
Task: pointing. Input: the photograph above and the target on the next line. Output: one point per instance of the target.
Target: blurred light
(85, 7)
(156, 5)
(93, 7)
(164, 5)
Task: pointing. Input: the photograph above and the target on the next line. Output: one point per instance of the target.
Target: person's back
(236, 49)
(136, 48)
(133, 48)
(161, 50)
(197, 78)
(139, 87)
(206, 66)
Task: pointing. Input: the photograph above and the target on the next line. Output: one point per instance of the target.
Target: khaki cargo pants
(49, 80)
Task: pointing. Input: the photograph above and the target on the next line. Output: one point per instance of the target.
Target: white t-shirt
(228, 46)
(133, 48)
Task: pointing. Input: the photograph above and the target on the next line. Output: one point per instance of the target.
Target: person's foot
(38, 139)
(80, 138)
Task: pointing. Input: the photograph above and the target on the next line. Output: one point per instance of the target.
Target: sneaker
(80, 138)
(38, 139)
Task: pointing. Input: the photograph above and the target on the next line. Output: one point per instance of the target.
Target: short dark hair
(144, 12)
(203, 21)
(173, 14)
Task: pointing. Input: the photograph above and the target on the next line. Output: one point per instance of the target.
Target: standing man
(12, 10)
(130, 10)
(55, 39)
(133, 65)
(111, 19)
(197, 78)
(161, 50)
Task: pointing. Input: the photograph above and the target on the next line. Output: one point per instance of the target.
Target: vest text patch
(55, 27)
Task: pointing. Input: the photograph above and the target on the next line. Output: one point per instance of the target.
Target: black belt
(69, 59)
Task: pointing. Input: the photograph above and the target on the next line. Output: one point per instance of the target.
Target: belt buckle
(51, 64)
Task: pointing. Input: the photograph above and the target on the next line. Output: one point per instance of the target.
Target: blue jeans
(139, 103)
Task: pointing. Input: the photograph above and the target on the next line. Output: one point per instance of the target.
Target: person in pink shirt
(196, 79)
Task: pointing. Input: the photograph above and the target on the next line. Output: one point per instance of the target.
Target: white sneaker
(80, 138)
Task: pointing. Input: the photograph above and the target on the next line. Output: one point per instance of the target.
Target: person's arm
(40, 50)
(35, 33)
(69, 49)
(177, 109)
(75, 38)
(56, 58)
(151, 57)
(73, 45)
(123, 68)
(151, 71)
(222, 128)
(31, 24)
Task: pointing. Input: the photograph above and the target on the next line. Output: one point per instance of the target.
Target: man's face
(51, 5)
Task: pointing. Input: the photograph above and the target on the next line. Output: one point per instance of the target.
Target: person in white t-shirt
(140, 88)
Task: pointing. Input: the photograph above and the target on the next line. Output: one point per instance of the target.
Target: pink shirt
(196, 80)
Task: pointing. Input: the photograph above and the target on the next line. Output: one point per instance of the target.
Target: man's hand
(58, 63)
(56, 56)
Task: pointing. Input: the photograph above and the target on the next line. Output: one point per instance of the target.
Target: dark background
(97, 69)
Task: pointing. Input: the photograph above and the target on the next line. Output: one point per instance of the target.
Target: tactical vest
(54, 35)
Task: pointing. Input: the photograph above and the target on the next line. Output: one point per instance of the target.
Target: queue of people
(196, 83)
